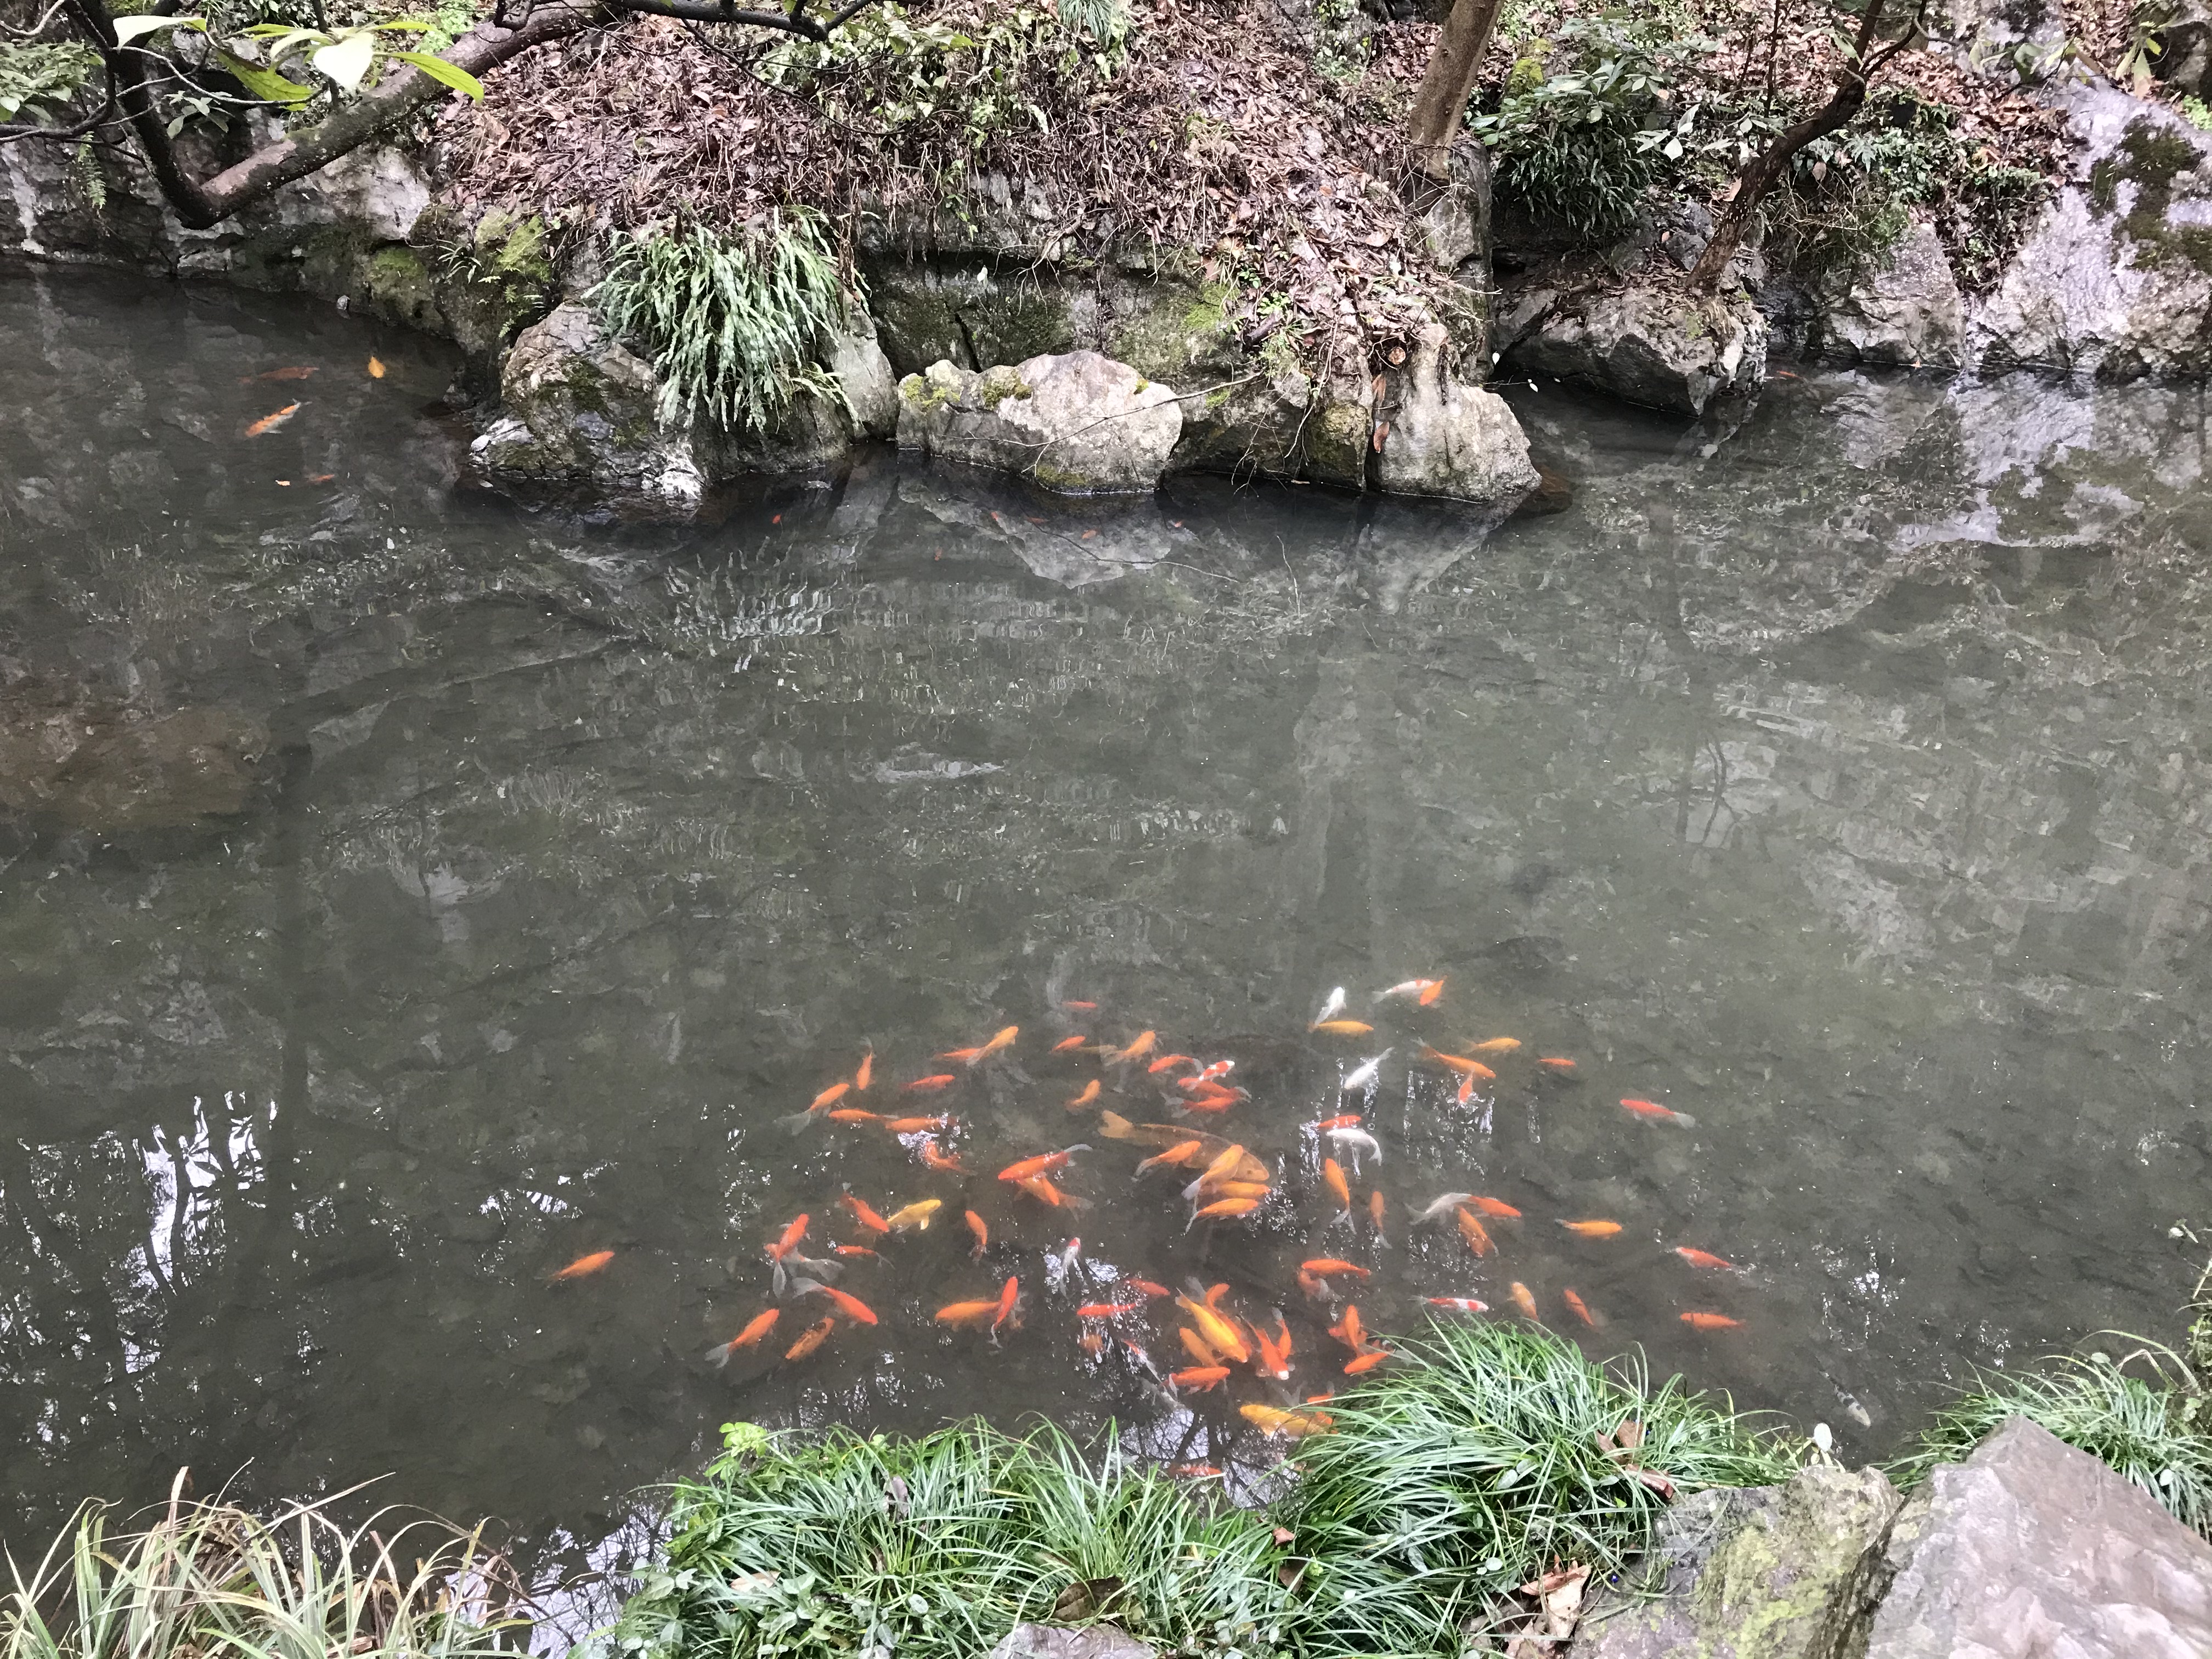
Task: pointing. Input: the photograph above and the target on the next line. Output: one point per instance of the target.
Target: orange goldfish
(817, 1335)
(278, 375)
(1592, 1229)
(759, 1328)
(1138, 1048)
(1106, 1309)
(1712, 1322)
(1043, 1190)
(1348, 1121)
(1149, 1288)
(960, 1314)
(1460, 1303)
(965, 1056)
(1195, 1345)
(1434, 989)
(1213, 1100)
(1275, 1350)
(1345, 1027)
(1317, 1290)
(375, 370)
(1579, 1308)
(1224, 1209)
(1043, 1163)
(1193, 1472)
(1328, 1267)
(1009, 1300)
(1227, 1161)
(584, 1266)
(1459, 1063)
(1089, 1093)
(1091, 1344)
(1523, 1301)
(1375, 1209)
(1653, 1109)
(1234, 1190)
(929, 1085)
(1556, 1063)
(914, 1125)
(853, 1114)
(789, 1240)
(1199, 1378)
(1175, 1156)
(851, 1306)
(936, 1157)
(1701, 1258)
(981, 1232)
(1466, 1091)
(1166, 1061)
(1476, 1235)
(1497, 1046)
(271, 423)
(1349, 1330)
(1220, 1330)
(866, 1074)
(1081, 1007)
(862, 1215)
(1274, 1419)
(830, 1097)
(1332, 1175)
(1367, 1361)
(855, 1249)
(1067, 1043)
(1494, 1209)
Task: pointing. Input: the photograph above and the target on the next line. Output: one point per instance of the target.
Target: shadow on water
(405, 895)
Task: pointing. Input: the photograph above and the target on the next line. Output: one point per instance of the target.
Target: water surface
(404, 895)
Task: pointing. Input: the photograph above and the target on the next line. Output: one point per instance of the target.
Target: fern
(736, 323)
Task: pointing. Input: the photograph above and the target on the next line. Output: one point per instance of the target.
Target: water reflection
(405, 897)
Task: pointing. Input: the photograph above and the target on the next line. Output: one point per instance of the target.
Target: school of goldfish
(1203, 1133)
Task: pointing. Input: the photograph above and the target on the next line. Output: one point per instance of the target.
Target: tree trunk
(1764, 170)
(1441, 104)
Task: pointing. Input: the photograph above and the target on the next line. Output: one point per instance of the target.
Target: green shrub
(935, 1548)
(2151, 1434)
(737, 325)
(35, 72)
(1449, 1482)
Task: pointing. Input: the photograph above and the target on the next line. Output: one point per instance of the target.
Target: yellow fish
(914, 1218)
(1296, 1424)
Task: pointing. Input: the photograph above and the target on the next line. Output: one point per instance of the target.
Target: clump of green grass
(210, 1578)
(1448, 1482)
(935, 1548)
(2152, 1434)
(737, 323)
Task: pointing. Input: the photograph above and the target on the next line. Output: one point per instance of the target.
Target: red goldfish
(1106, 1309)
(584, 1266)
(1367, 1361)
(1328, 1267)
(1712, 1322)
(930, 1085)
(1652, 1109)
(1476, 1235)
(1701, 1258)
(1199, 1378)
(981, 1232)
(1044, 1164)
(851, 1306)
(937, 1158)
(1067, 1043)
(1580, 1309)
(1332, 1175)
(862, 1215)
(1349, 1331)
(759, 1328)
(789, 1240)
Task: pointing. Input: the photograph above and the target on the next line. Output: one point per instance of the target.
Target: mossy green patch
(2151, 157)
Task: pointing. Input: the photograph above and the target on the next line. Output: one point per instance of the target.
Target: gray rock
(1452, 440)
(1767, 1572)
(1908, 310)
(2032, 1550)
(2116, 280)
(1645, 343)
(1080, 423)
(1053, 1642)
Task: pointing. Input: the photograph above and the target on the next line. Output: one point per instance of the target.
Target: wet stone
(1054, 1642)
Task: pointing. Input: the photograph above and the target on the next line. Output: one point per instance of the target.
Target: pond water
(405, 895)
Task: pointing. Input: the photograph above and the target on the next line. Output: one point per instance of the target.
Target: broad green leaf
(347, 60)
(446, 74)
(412, 25)
(128, 29)
(266, 84)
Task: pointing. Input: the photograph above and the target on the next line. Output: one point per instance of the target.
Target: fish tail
(797, 1122)
(778, 1278)
(1685, 1120)
(719, 1356)
(804, 1286)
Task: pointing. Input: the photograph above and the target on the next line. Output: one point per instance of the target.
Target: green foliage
(736, 323)
(1448, 1483)
(951, 89)
(934, 1548)
(1569, 134)
(341, 57)
(2196, 112)
(2152, 1435)
(209, 1578)
(85, 173)
(49, 72)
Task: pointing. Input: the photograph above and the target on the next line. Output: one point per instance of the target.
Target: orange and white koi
(1652, 1109)
(1459, 1303)
(1359, 1140)
(756, 1328)
(583, 1266)
(1423, 991)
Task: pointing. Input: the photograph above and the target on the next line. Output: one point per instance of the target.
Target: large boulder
(1647, 342)
(2116, 279)
(1452, 440)
(1080, 423)
(1765, 1572)
(1060, 1642)
(2030, 1549)
(1907, 309)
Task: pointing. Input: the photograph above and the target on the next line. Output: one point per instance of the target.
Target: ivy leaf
(446, 74)
(265, 84)
(346, 60)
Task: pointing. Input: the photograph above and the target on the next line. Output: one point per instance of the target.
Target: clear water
(1840, 779)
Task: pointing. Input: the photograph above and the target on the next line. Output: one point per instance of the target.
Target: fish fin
(1685, 1120)
(1114, 1125)
(777, 1277)
(719, 1356)
(797, 1122)
(804, 1286)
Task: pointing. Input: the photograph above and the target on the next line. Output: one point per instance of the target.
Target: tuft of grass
(210, 1578)
(2153, 1435)
(1449, 1482)
(736, 323)
(935, 1548)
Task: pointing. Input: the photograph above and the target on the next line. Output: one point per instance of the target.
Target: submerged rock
(1649, 342)
(2031, 1547)
(1080, 423)
(76, 759)
(1763, 1572)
